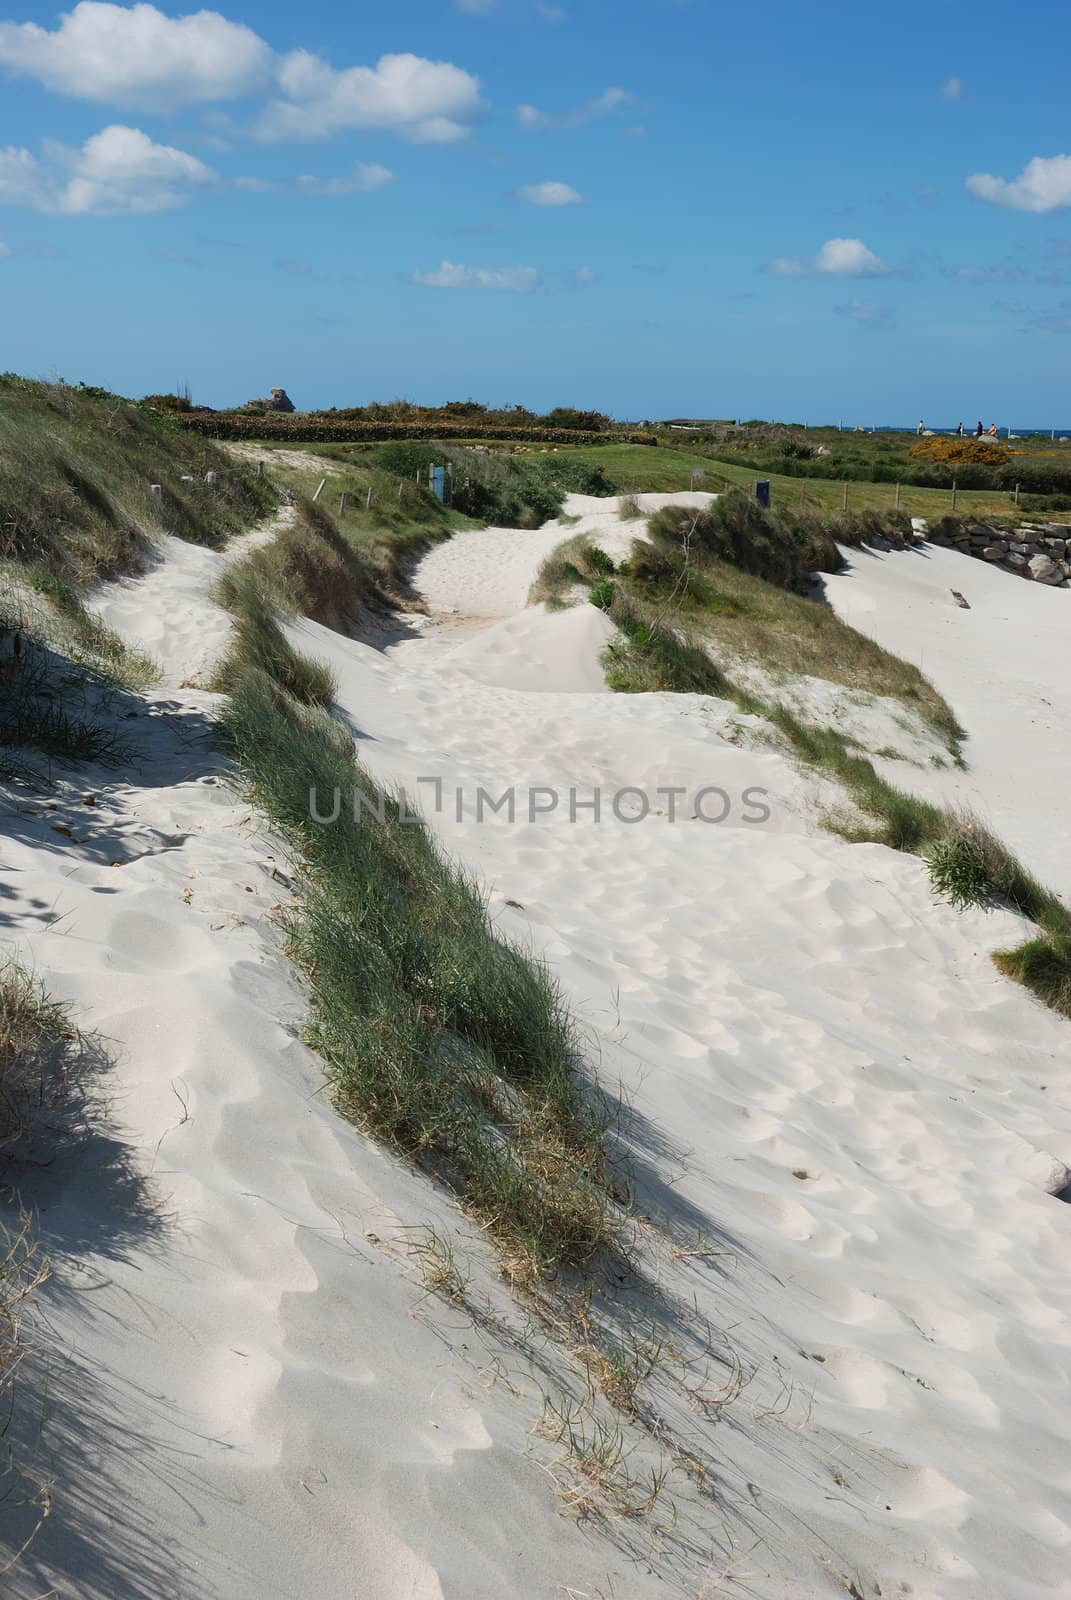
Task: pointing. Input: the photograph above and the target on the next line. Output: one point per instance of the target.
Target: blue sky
(809, 212)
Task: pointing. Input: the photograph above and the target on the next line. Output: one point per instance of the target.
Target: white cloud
(952, 89)
(136, 56)
(549, 194)
(555, 15)
(839, 258)
(5, 249)
(365, 178)
(584, 275)
(602, 106)
(257, 185)
(451, 275)
(1043, 185)
(476, 8)
(429, 101)
(119, 171)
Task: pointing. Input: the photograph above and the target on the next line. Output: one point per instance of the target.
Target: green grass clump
(438, 1036)
(783, 548)
(259, 644)
(1042, 965)
(312, 569)
(957, 871)
(655, 651)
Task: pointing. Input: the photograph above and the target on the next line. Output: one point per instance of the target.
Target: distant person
(992, 430)
(978, 432)
(921, 429)
(959, 430)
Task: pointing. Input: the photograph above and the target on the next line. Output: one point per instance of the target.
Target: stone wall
(1037, 550)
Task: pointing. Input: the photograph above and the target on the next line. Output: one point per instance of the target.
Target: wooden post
(401, 486)
(342, 502)
(260, 469)
(319, 488)
(1016, 494)
(953, 494)
(897, 497)
(844, 502)
(368, 502)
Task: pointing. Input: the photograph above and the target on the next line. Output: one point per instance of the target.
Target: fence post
(897, 497)
(319, 488)
(844, 502)
(368, 502)
(1016, 494)
(260, 469)
(342, 502)
(953, 494)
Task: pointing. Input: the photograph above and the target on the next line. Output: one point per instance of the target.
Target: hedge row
(312, 430)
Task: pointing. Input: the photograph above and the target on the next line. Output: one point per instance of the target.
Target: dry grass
(22, 1271)
(40, 1054)
(75, 470)
(311, 569)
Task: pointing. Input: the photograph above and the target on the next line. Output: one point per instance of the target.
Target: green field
(653, 470)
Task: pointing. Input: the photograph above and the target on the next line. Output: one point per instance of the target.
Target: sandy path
(167, 609)
(846, 1121)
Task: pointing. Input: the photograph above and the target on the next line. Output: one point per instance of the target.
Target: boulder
(278, 400)
(1044, 570)
(994, 552)
(1016, 560)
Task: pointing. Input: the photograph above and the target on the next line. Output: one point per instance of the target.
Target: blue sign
(436, 477)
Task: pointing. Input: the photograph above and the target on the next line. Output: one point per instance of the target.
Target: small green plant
(958, 871)
(601, 594)
(597, 560)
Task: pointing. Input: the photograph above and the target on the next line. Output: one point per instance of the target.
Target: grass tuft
(438, 1036)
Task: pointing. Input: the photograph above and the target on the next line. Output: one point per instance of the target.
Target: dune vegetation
(719, 586)
(437, 1035)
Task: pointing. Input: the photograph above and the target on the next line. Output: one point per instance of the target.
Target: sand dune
(1002, 664)
(848, 1130)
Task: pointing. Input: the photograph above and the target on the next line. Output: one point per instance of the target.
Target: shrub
(736, 529)
(308, 428)
(976, 452)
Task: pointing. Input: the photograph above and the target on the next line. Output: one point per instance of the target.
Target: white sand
(1005, 668)
(837, 1096)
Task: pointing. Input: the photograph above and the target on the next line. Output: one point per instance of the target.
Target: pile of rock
(278, 400)
(1041, 551)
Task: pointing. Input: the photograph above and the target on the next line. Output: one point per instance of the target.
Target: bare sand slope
(847, 1127)
(1003, 666)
